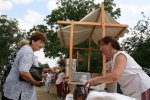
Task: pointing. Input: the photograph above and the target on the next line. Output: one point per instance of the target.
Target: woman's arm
(120, 62)
(27, 76)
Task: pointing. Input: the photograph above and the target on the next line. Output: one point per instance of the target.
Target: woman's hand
(90, 83)
(27, 76)
(38, 83)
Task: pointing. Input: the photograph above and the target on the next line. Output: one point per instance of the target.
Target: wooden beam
(116, 25)
(80, 23)
(95, 26)
(71, 50)
(86, 49)
(92, 24)
(62, 35)
(63, 22)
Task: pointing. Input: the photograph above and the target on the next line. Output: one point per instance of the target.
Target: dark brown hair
(110, 39)
(37, 36)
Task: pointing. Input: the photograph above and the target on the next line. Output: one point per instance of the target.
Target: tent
(94, 26)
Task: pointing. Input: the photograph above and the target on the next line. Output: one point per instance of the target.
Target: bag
(36, 73)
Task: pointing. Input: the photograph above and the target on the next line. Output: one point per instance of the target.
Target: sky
(33, 12)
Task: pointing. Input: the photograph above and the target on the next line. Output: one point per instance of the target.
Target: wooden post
(77, 60)
(71, 50)
(103, 35)
(89, 53)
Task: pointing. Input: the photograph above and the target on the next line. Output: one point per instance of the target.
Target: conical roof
(83, 32)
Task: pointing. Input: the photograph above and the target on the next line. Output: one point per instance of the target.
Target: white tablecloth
(93, 95)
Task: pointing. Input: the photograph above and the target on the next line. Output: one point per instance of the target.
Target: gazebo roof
(83, 30)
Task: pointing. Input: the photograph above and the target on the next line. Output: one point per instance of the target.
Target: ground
(42, 95)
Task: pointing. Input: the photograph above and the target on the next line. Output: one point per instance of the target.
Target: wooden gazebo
(93, 26)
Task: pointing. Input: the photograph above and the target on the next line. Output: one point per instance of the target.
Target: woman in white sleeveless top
(133, 80)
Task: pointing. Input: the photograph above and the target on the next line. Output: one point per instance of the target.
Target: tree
(9, 36)
(52, 43)
(142, 53)
(138, 45)
(72, 10)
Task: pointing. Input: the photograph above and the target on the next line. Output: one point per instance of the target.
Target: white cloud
(134, 8)
(131, 14)
(98, 1)
(21, 1)
(51, 5)
(5, 5)
(41, 58)
(24, 25)
(32, 18)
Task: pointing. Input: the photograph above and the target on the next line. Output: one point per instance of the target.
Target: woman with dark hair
(15, 89)
(133, 80)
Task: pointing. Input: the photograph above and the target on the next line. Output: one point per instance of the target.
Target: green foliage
(61, 62)
(96, 62)
(77, 9)
(138, 45)
(9, 37)
(71, 10)
(110, 7)
(142, 53)
(45, 65)
(53, 47)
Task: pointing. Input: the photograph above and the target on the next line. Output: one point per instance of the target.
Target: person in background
(12, 56)
(10, 61)
(134, 82)
(14, 89)
(47, 80)
(59, 83)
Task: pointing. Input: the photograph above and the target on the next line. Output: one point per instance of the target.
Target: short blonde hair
(22, 43)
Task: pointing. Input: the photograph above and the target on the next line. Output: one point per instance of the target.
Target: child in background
(47, 80)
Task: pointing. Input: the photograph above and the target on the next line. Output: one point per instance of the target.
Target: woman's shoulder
(26, 50)
(121, 52)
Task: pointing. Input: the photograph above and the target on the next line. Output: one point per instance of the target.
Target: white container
(80, 76)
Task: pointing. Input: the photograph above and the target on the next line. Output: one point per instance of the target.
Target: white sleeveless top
(133, 80)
